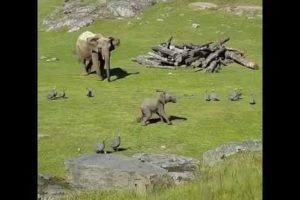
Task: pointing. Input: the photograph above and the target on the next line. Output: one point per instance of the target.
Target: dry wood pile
(208, 57)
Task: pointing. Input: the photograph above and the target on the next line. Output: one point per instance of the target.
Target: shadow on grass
(120, 73)
(171, 118)
(119, 149)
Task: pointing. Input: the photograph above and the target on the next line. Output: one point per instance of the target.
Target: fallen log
(180, 58)
(202, 52)
(198, 63)
(240, 60)
(215, 45)
(162, 59)
(213, 64)
(177, 50)
(190, 60)
(235, 50)
(164, 51)
(147, 61)
(212, 56)
(160, 66)
(169, 42)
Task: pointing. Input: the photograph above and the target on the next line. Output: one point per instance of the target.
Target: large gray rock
(170, 162)
(116, 171)
(50, 187)
(218, 154)
(180, 168)
(75, 14)
(128, 8)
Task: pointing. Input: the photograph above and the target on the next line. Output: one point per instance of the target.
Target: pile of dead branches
(208, 57)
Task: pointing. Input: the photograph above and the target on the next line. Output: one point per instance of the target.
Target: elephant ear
(93, 41)
(162, 97)
(115, 41)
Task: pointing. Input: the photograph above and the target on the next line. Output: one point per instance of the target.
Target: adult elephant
(94, 50)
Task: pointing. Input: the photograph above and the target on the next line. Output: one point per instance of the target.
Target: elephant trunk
(106, 57)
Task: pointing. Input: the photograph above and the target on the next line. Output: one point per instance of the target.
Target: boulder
(101, 171)
(51, 187)
(75, 14)
(180, 168)
(218, 154)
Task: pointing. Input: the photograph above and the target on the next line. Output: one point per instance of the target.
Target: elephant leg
(146, 116)
(87, 66)
(161, 118)
(139, 119)
(102, 63)
(96, 64)
(162, 114)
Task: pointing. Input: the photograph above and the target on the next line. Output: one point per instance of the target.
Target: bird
(89, 92)
(214, 96)
(53, 93)
(236, 95)
(252, 100)
(100, 147)
(115, 143)
(63, 94)
(207, 96)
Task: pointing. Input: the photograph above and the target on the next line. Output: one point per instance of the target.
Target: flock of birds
(213, 96)
(53, 94)
(234, 96)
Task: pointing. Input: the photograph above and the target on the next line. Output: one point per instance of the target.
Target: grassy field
(77, 122)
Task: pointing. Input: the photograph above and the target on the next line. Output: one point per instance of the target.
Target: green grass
(66, 125)
(219, 182)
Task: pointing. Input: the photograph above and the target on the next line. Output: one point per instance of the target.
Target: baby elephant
(156, 106)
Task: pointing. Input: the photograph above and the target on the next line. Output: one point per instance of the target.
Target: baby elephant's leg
(163, 115)
(161, 118)
(146, 115)
(139, 119)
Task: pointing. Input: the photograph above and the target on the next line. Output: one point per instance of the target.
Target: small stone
(160, 20)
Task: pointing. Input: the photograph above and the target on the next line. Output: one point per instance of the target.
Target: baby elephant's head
(170, 98)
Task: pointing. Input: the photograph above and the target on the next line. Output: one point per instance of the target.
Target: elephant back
(83, 36)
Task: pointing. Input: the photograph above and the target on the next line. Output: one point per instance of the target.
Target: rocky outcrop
(50, 187)
(141, 173)
(128, 8)
(75, 14)
(218, 154)
(235, 9)
(180, 168)
(102, 171)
